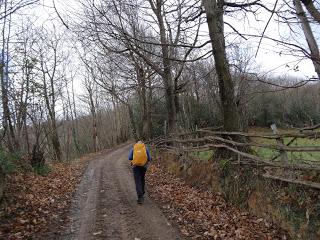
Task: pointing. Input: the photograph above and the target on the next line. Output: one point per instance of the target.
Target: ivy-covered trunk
(214, 13)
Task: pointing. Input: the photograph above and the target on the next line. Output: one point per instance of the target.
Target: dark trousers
(139, 179)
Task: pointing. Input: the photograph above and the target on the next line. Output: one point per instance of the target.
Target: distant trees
(40, 118)
(147, 68)
(294, 107)
(49, 57)
(162, 38)
(125, 28)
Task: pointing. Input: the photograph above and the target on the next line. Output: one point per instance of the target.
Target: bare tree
(308, 33)
(24, 73)
(165, 48)
(314, 12)
(91, 88)
(49, 61)
(13, 6)
(214, 13)
(4, 78)
(8, 8)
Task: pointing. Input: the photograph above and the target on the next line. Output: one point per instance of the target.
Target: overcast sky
(271, 56)
(268, 58)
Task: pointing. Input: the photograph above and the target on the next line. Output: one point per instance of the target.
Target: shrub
(42, 169)
(8, 161)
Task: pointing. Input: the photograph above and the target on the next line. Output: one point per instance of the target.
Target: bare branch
(61, 19)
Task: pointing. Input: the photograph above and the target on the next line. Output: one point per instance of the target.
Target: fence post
(280, 142)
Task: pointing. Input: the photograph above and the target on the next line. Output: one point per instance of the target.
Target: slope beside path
(205, 215)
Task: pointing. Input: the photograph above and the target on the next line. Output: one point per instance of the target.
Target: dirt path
(105, 206)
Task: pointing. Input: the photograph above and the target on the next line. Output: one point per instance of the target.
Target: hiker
(139, 156)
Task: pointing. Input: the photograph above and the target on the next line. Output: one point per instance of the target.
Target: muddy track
(105, 205)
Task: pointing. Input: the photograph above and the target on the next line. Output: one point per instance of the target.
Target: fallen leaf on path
(97, 233)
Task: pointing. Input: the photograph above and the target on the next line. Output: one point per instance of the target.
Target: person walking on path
(140, 157)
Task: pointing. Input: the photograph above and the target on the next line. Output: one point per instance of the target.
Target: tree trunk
(116, 120)
(5, 108)
(144, 130)
(52, 118)
(133, 125)
(149, 110)
(75, 125)
(314, 12)
(312, 43)
(56, 142)
(7, 123)
(167, 73)
(2, 183)
(95, 134)
(94, 120)
(214, 14)
(171, 109)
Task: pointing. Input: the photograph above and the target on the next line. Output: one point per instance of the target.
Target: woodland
(79, 77)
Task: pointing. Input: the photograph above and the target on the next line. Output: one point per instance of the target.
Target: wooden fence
(287, 151)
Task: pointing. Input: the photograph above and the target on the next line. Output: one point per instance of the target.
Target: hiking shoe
(140, 200)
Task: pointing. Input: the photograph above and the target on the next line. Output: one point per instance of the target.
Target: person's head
(139, 142)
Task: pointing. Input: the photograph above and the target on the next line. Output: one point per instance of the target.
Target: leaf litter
(201, 214)
(34, 205)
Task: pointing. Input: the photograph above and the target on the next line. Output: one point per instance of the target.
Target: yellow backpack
(139, 155)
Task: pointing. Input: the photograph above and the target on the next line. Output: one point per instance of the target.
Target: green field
(268, 154)
(293, 156)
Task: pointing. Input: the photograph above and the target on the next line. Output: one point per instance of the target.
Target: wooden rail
(204, 139)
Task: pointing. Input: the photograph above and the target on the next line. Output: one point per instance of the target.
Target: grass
(313, 156)
(293, 156)
(203, 155)
(269, 154)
